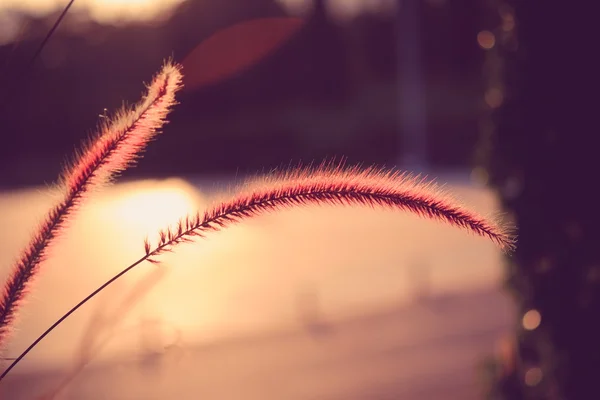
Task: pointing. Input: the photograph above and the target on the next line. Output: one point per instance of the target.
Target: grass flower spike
(334, 185)
(116, 147)
(324, 185)
(122, 139)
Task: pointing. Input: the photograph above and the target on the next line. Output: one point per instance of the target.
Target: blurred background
(322, 302)
(355, 80)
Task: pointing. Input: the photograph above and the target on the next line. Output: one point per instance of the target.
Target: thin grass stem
(338, 186)
(116, 147)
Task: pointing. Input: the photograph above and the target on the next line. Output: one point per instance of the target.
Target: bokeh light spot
(486, 40)
(532, 319)
(533, 376)
(494, 97)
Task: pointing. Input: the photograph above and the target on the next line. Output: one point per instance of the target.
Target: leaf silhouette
(235, 48)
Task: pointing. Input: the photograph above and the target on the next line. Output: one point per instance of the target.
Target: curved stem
(90, 296)
(9, 93)
(351, 187)
(71, 311)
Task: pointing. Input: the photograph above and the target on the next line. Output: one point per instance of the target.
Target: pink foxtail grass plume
(325, 185)
(116, 147)
(334, 185)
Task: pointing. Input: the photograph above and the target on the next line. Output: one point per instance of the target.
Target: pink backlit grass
(117, 145)
(121, 141)
(334, 185)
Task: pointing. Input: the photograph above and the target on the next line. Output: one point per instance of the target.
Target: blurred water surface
(327, 302)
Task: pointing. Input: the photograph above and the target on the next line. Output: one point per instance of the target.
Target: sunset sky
(122, 11)
(100, 10)
(112, 10)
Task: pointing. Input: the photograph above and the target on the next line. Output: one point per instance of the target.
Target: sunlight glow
(150, 208)
(123, 11)
(104, 11)
(279, 271)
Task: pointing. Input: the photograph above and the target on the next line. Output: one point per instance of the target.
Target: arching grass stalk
(301, 187)
(117, 146)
